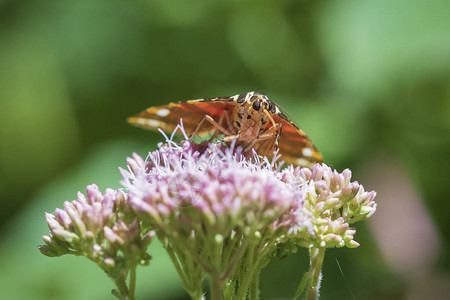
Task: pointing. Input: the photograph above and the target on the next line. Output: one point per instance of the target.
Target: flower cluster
(210, 208)
(180, 191)
(216, 211)
(90, 226)
(333, 202)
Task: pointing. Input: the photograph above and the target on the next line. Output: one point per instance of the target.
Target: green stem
(194, 289)
(232, 263)
(195, 276)
(316, 256)
(215, 286)
(122, 286)
(197, 258)
(214, 276)
(178, 268)
(246, 274)
(254, 288)
(132, 286)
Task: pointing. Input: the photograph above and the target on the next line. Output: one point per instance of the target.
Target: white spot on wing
(154, 123)
(149, 123)
(163, 112)
(140, 121)
(307, 152)
(303, 162)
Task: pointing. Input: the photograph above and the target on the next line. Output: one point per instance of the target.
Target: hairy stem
(316, 256)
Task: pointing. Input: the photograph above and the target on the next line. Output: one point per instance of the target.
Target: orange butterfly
(251, 119)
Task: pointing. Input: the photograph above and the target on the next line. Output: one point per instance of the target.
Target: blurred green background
(369, 81)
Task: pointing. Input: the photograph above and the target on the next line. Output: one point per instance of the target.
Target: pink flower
(333, 202)
(217, 191)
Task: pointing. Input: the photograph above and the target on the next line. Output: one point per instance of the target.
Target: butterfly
(251, 119)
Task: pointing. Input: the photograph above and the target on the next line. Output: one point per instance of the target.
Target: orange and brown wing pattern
(295, 146)
(167, 117)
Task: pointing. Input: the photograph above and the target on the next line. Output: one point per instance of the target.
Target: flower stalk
(315, 274)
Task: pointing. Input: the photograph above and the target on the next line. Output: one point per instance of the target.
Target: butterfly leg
(225, 115)
(277, 138)
(217, 125)
(270, 137)
(229, 138)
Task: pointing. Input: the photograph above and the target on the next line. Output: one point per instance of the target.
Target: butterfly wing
(167, 117)
(295, 146)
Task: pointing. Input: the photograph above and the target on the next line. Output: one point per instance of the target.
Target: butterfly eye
(272, 107)
(241, 98)
(269, 105)
(256, 105)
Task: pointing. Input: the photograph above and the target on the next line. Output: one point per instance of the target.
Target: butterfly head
(253, 108)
